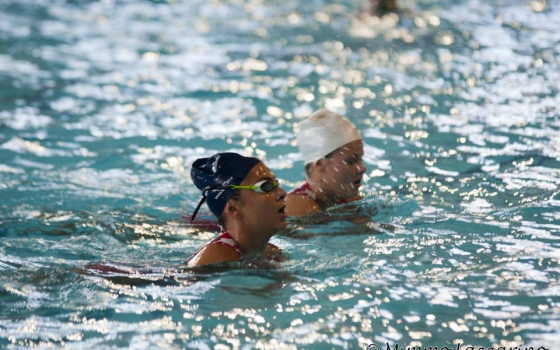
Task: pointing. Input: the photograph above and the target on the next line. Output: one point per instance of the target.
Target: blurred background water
(105, 104)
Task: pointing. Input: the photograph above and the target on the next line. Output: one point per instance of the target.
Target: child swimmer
(249, 203)
(332, 149)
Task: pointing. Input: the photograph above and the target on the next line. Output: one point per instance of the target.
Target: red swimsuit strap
(223, 238)
(305, 190)
(226, 239)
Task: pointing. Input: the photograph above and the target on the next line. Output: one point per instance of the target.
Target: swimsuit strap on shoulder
(304, 189)
(223, 238)
(226, 239)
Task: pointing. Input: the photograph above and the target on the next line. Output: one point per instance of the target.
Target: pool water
(105, 104)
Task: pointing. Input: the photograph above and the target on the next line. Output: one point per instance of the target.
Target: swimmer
(332, 150)
(249, 203)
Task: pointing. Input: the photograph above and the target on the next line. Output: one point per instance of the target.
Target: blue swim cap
(212, 175)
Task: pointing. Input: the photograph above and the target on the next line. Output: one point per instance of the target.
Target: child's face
(343, 170)
(263, 211)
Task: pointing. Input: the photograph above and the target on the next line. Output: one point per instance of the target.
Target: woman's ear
(320, 165)
(232, 209)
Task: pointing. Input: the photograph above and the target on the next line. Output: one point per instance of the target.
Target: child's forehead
(351, 149)
(260, 171)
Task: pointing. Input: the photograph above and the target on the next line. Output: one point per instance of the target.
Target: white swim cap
(323, 132)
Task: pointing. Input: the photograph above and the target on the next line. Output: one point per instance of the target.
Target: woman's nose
(361, 168)
(281, 193)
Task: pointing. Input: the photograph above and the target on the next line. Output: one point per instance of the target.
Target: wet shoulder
(214, 253)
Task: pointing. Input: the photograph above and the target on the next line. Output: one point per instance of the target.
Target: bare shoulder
(214, 253)
(300, 205)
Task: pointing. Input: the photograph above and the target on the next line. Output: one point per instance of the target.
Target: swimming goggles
(263, 186)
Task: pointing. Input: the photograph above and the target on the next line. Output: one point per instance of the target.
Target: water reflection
(105, 104)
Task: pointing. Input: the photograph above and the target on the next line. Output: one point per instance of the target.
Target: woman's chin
(283, 224)
(353, 193)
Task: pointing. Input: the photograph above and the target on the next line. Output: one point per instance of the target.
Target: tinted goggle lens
(265, 186)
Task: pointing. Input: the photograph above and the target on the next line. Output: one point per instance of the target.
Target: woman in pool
(332, 149)
(248, 202)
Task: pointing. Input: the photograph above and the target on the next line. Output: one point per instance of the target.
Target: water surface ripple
(105, 104)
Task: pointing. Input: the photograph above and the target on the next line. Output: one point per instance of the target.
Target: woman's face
(263, 212)
(342, 171)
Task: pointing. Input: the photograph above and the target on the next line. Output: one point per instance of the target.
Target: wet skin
(251, 219)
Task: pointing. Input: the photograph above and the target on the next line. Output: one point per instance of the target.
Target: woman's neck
(249, 241)
(322, 198)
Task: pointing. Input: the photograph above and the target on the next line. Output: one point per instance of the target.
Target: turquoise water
(105, 104)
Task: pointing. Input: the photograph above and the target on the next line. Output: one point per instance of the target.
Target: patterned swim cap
(212, 175)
